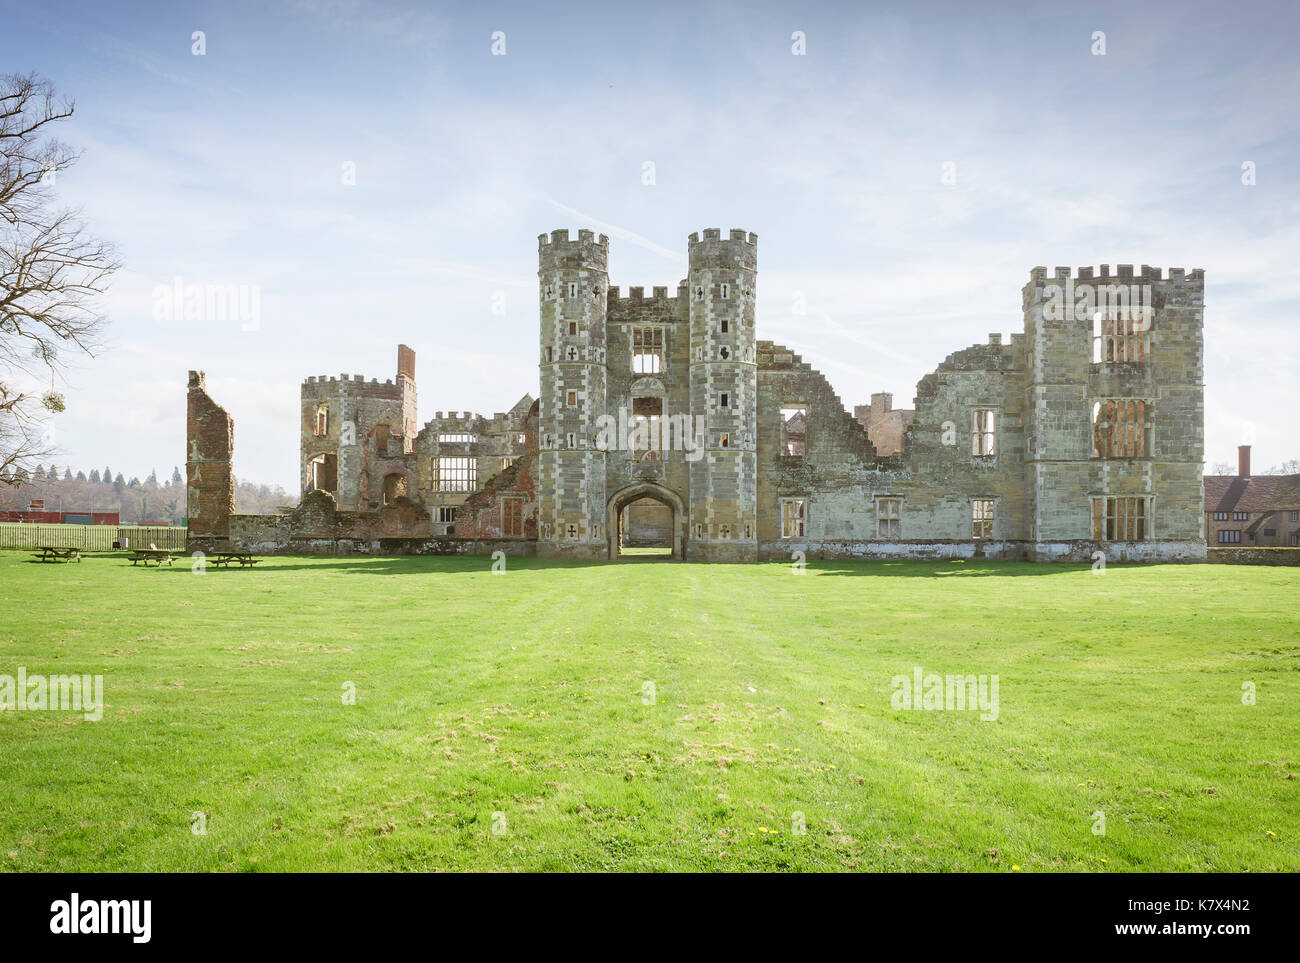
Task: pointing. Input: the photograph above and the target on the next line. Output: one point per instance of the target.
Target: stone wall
(737, 491)
(646, 523)
(482, 515)
(210, 481)
(1253, 556)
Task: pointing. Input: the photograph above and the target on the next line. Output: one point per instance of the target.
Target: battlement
(557, 251)
(350, 379)
(561, 236)
(405, 371)
(637, 293)
(469, 420)
(739, 250)
(714, 234)
(1123, 272)
(323, 386)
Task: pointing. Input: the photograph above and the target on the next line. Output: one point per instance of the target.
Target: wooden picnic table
(55, 553)
(241, 558)
(147, 555)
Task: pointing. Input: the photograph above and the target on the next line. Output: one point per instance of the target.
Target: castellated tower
(573, 287)
(1116, 410)
(343, 418)
(723, 389)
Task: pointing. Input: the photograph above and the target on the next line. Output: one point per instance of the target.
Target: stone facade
(1084, 433)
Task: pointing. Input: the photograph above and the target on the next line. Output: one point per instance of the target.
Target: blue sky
(226, 168)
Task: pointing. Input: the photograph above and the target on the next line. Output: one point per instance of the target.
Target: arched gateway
(665, 496)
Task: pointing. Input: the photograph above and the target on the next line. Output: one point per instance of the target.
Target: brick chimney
(1243, 461)
(405, 362)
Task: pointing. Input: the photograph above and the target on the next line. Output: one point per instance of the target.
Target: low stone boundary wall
(1253, 556)
(992, 551)
(307, 545)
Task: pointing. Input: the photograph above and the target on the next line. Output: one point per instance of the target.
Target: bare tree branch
(52, 272)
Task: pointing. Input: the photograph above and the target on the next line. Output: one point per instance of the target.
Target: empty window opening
(550, 354)
(1120, 428)
(447, 514)
(457, 474)
(982, 432)
(724, 400)
(512, 517)
(322, 420)
(1119, 518)
(794, 513)
(889, 517)
(982, 518)
(724, 325)
(1124, 334)
(647, 350)
(394, 487)
(794, 430)
(645, 428)
(456, 437)
(323, 473)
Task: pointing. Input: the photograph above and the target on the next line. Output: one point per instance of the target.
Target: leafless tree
(51, 270)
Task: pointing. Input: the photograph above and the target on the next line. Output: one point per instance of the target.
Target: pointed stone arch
(665, 496)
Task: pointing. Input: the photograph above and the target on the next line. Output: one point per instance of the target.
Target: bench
(51, 553)
(147, 555)
(225, 558)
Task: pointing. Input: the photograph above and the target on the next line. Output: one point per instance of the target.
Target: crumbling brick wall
(480, 516)
(210, 480)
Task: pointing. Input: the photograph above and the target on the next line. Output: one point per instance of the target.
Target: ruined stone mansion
(662, 416)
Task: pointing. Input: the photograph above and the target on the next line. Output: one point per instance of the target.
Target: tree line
(135, 501)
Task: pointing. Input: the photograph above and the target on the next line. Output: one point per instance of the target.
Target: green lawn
(503, 721)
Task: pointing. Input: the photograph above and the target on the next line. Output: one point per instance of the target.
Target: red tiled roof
(1259, 493)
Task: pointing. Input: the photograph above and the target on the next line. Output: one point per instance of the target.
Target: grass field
(503, 722)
